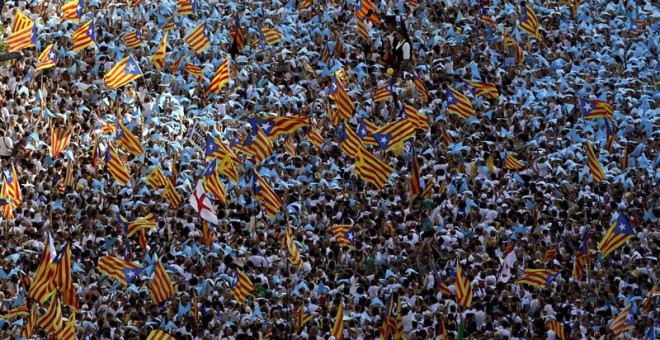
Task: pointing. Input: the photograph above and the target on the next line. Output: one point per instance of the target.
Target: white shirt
(6, 146)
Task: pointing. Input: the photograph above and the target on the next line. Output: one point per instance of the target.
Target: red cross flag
(202, 204)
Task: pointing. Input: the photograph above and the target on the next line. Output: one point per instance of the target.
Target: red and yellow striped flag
(622, 322)
(271, 35)
(292, 251)
(314, 135)
(140, 224)
(509, 42)
(121, 270)
(28, 330)
(159, 57)
(345, 106)
(529, 22)
(127, 141)
(264, 193)
(212, 182)
(479, 88)
(415, 183)
(362, 28)
(84, 36)
(227, 168)
(133, 39)
(595, 168)
(23, 33)
(242, 286)
(47, 58)
(220, 78)
(116, 166)
(258, 145)
(463, 288)
(289, 146)
(156, 178)
(170, 194)
(338, 327)
(51, 322)
(72, 10)
(59, 140)
(198, 38)
(368, 11)
(68, 332)
(619, 233)
(350, 142)
(237, 33)
(159, 334)
(371, 169)
(63, 279)
(512, 163)
(194, 70)
(539, 278)
(186, 7)
(419, 121)
(421, 89)
(344, 235)
(558, 328)
(125, 71)
(161, 286)
(19, 311)
(459, 104)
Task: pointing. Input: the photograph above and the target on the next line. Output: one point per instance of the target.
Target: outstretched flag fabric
(338, 327)
(47, 58)
(241, 287)
(619, 233)
(201, 204)
(51, 321)
(480, 88)
(84, 36)
(199, 38)
(594, 109)
(459, 104)
(73, 10)
(539, 278)
(123, 271)
(161, 286)
(344, 235)
(116, 166)
(220, 78)
(125, 71)
(127, 141)
(345, 106)
(529, 22)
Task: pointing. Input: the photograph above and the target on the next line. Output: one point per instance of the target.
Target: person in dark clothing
(402, 51)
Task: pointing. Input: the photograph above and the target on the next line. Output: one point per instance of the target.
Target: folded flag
(415, 183)
(459, 104)
(28, 330)
(125, 71)
(510, 43)
(84, 36)
(292, 251)
(595, 168)
(263, 192)
(220, 78)
(17, 312)
(51, 321)
(59, 140)
(156, 178)
(123, 271)
(367, 11)
(289, 145)
(463, 288)
(556, 327)
(241, 287)
(199, 38)
(539, 278)
(619, 233)
(159, 57)
(47, 58)
(421, 89)
(138, 224)
(594, 109)
(349, 141)
(345, 106)
(116, 166)
(512, 163)
(303, 316)
(133, 39)
(212, 182)
(127, 141)
(338, 327)
(344, 235)
(362, 28)
(161, 285)
(479, 88)
(314, 135)
(194, 70)
(371, 169)
(529, 22)
(237, 33)
(63, 279)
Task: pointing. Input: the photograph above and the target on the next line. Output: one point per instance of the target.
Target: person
(6, 145)
(402, 50)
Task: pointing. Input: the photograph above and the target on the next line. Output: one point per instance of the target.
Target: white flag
(507, 264)
(201, 203)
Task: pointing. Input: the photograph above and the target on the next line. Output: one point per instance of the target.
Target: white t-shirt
(6, 146)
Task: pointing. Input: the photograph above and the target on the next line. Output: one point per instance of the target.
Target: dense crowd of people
(492, 219)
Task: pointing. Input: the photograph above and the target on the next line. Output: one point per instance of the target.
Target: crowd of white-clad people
(511, 188)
